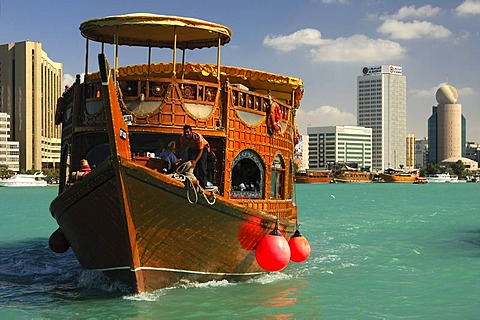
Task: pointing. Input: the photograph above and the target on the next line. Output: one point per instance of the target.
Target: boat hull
(410, 178)
(161, 238)
(354, 177)
(313, 177)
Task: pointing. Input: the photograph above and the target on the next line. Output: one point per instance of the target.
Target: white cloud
(469, 7)
(324, 116)
(69, 79)
(467, 91)
(423, 92)
(357, 48)
(413, 30)
(292, 41)
(426, 11)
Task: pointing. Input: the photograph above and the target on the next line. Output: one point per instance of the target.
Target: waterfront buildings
(446, 127)
(30, 84)
(421, 153)
(9, 150)
(472, 151)
(339, 144)
(381, 106)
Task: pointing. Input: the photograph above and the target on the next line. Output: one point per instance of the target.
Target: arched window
(277, 183)
(247, 176)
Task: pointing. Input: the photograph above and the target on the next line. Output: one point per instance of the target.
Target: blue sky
(326, 43)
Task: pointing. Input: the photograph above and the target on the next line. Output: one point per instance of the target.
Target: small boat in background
(25, 180)
(392, 175)
(312, 176)
(420, 180)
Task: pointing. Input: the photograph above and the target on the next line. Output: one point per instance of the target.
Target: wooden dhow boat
(312, 176)
(128, 218)
(351, 175)
(392, 175)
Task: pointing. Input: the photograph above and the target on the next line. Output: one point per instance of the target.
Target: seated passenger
(168, 154)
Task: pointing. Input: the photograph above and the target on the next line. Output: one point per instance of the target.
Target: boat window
(247, 176)
(277, 189)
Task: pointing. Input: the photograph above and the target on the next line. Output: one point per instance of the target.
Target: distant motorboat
(442, 178)
(420, 180)
(25, 180)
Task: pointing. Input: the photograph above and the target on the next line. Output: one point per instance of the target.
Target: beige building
(449, 123)
(30, 84)
(410, 162)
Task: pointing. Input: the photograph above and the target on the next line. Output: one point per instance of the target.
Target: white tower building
(449, 123)
(382, 106)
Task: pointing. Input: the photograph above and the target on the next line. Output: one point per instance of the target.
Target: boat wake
(30, 273)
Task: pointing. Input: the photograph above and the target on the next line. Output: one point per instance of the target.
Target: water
(379, 251)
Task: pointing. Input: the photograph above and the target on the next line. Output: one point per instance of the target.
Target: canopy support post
(175, 51)
(218, 57)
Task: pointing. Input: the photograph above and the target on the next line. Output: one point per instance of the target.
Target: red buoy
(57, 242)
(299, 247)
(273, 252)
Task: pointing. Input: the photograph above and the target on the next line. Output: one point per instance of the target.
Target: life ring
(275, 117)
(59, 111)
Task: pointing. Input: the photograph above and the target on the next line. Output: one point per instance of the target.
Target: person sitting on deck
(168, 154)
(194, 148)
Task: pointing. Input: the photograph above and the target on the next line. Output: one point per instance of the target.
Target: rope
(184, 173)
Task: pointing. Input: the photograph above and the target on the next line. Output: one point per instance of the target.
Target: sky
(326, 43)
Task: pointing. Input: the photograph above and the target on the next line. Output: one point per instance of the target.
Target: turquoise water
(379, 251)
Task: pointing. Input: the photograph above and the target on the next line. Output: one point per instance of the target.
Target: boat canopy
(152, 30)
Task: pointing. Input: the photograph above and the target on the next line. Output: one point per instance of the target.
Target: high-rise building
(8, 149)
(446, 127)
(339, 144)
(382, 106)
(30, 84)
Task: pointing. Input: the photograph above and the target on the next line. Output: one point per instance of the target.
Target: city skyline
(434, 41)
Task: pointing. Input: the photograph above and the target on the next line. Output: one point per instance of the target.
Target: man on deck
(194, 148)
